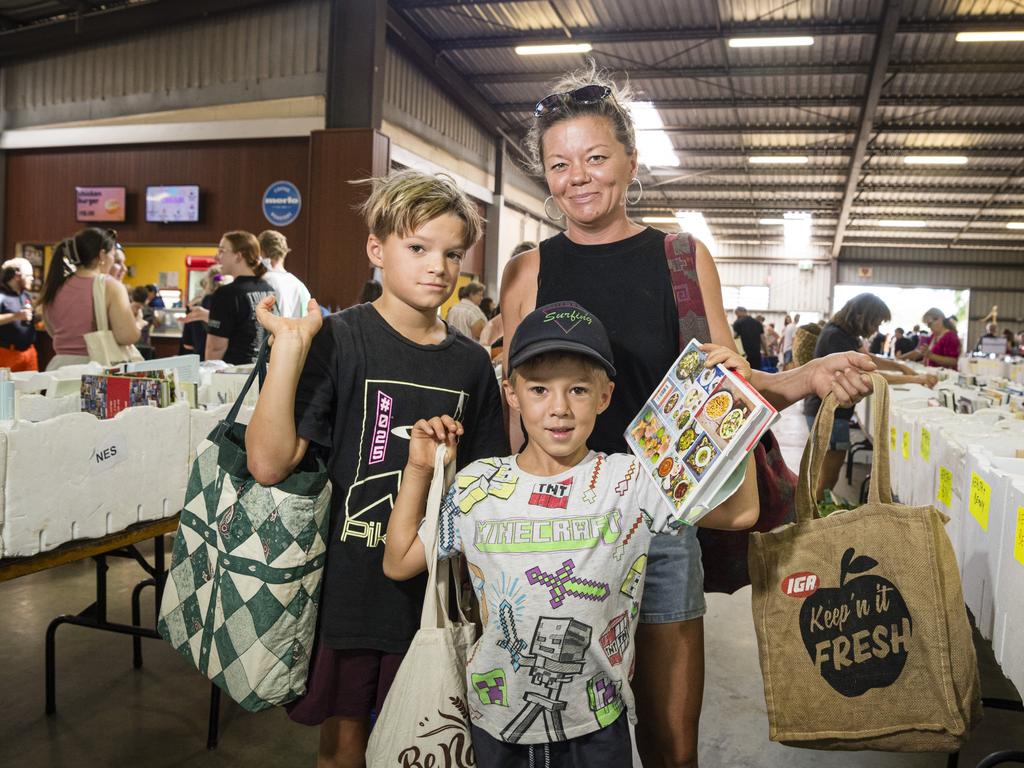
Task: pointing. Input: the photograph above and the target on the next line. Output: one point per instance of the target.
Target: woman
(66, 300)
(943, 350)
(193, 333)
(233, 335)
(582, 142)
(859, 319)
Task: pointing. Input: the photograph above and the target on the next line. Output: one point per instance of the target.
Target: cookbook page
(695, 431)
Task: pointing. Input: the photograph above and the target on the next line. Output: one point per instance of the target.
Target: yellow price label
(892, 438)
(1018, 545)
(906, 446)
(945, 486)
(981, 495)
(926, 445)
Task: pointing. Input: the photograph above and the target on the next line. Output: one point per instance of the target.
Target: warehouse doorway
(907, 305)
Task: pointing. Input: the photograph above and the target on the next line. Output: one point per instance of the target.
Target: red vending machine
(195, 271)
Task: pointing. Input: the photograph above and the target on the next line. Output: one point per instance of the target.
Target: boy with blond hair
(556, 540)
(352, 385)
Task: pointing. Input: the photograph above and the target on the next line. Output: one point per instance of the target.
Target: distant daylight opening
(908, 305)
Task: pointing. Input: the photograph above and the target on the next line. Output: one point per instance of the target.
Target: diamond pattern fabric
(242, 593)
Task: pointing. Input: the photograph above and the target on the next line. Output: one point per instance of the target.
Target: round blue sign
(282, 203)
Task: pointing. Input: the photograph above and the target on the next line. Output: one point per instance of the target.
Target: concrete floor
(111, 715)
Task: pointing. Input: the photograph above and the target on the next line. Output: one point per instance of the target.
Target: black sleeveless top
(628, 286)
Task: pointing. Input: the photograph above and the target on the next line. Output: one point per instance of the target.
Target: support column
(338, 265)
(492, 251)
(351, 147)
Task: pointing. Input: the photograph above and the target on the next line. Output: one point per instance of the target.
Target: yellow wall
(464, 279)
(148, 261)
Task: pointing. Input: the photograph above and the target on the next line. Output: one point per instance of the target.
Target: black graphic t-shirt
(233, 317)
(363, 387)
(21, 333)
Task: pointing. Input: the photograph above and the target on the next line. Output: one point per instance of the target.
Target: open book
(695, 433)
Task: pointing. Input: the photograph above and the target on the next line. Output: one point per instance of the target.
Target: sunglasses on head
(588, 94)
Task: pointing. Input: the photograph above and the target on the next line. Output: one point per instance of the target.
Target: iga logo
(857, 635)
(802, 584)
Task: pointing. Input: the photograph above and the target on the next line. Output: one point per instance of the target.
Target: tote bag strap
(879, 489)
(681, 257)
(259, 369)
(99, 303)
(435, 599)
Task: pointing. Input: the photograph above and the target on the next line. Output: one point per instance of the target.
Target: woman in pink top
(944, 348)
(67, 296)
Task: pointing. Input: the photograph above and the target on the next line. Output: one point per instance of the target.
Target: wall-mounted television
(169, 204)
(94, 204)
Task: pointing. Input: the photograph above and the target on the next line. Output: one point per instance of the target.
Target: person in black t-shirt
(234, 336)
(751, 334)
(352, 385)
(902, 343)
(17, 333)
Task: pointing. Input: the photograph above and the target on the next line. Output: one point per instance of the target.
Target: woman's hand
(727, 358)
(298, 329)
(199, 314)
(843, 374)
(426, 435)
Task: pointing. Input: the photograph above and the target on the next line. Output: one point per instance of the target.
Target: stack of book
(107, 394)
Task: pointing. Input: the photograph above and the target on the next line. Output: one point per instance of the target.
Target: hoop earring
(639, 194)
(547, 213)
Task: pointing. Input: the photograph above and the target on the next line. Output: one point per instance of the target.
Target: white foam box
(203, 420)
(921, 472)
(78, 477)
(899, 439)
(950, 471)
(990, 470)
(222, 388)
(1008, 636)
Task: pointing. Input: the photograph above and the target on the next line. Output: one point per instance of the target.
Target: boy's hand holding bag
(243, 589)
(861, 627)
(425, 717)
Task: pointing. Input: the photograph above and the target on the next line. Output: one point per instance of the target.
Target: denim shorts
(674, 583)
(840, 440)
(787, 357)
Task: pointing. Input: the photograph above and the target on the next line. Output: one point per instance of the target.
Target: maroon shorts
(349, 683)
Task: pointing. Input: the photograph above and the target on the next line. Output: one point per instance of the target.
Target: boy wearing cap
(556, 540)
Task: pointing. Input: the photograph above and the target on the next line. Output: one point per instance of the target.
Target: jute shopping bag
(425, 717)
(861, 627)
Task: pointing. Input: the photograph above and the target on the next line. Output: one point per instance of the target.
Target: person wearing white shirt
(466, 316)
(292, 295)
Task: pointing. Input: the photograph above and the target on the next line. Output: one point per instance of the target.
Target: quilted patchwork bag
(241, 597)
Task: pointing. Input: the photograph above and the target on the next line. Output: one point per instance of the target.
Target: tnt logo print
(551, 495)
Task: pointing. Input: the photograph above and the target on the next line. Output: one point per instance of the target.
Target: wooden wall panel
(232, 176)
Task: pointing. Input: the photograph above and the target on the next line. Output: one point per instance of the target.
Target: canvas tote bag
(425, 717)
(103, 347)
(241, 597)
(861, 627)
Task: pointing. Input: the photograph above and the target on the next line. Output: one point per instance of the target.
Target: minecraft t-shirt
(557, 564)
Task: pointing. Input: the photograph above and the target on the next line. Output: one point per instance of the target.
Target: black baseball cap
(564, 326)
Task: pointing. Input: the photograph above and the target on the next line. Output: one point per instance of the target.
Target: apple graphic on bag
(857, 634)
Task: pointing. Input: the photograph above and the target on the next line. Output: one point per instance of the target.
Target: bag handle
(99, 303)
(259, 369)
(435, 599)
(681, 257)
(879, 489)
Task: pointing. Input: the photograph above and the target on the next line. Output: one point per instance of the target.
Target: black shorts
(608, 747)
(350, 684)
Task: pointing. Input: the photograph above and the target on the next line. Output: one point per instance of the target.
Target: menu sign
(166, 204)
(99, 204)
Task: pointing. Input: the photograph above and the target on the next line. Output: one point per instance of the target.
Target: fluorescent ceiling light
(540, 50)
(1015, 225)
(653, 145)
(902, 223)
(772, 222)
(768, 42)
(934, 160)
(778, 160)
(1010, 36)
(694, 223)
(659, 220)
